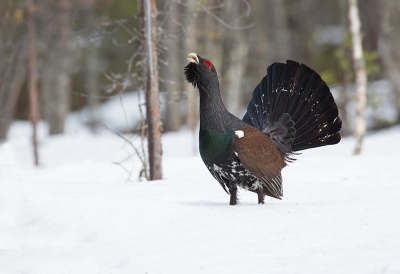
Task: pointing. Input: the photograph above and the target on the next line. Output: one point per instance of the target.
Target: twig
(142, 137)
(140, 156)
(118, 22)
(129, 172)
(222, 22)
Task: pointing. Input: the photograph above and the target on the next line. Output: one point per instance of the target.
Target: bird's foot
(260, 197)
(234, 198)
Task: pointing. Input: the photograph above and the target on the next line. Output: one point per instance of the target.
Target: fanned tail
(295, 108)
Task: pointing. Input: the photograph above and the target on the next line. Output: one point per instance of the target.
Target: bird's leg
(233, 192)
(260, 197)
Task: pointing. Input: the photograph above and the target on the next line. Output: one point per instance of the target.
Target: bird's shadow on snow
(214, 203)
(204, 203)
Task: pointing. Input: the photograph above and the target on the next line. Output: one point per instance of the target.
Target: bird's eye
(208, 64)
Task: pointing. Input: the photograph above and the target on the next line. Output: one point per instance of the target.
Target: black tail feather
(295, 107)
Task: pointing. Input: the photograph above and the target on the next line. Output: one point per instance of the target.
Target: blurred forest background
(89, 52)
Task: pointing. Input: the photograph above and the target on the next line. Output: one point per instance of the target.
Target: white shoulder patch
(239, 133)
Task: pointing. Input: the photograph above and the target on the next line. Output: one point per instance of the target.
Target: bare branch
(118, 22)
(222, 22)
(142, 157)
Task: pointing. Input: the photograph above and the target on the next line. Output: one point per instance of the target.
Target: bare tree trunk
(361, 74)
(260, 41)
(12, 76)
(152, 89)
(92, 87)
(91, 76)
(391, 49)
(343, 96)
(192, 102)
(33, 79)
(56, 80)
(279, 30)
(238, 58)
(13, 61)
(173, 73)
(237, 65)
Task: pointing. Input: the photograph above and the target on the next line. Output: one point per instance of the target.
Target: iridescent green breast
(214, 144)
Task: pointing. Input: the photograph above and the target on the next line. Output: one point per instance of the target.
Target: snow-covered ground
(120, 113)
(77, 213)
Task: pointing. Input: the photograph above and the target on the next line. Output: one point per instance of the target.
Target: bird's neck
(213, 114)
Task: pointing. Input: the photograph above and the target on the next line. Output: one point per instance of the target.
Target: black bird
(292, 109)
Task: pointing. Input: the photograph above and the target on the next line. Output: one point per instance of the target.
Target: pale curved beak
(192, 58)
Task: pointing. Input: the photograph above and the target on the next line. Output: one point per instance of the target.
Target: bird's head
(200, 72)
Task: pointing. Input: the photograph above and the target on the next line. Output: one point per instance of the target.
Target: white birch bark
(361, 74)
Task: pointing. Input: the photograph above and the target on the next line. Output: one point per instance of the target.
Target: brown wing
(261, 157)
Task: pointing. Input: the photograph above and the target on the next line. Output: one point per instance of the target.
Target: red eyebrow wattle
(208, 64)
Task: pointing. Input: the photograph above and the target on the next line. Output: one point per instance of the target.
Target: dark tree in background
(391, 49)
(238, 52)
(279, 31)
(57, 61)
(172, 72)
(33, 78)
(92, 71)
(13, 58)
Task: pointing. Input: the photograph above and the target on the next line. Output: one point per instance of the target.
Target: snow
(77, 213)
(121, 113)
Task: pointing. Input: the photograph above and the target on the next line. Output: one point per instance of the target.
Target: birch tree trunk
(33, 79)
(152, 89)
(361, 74)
